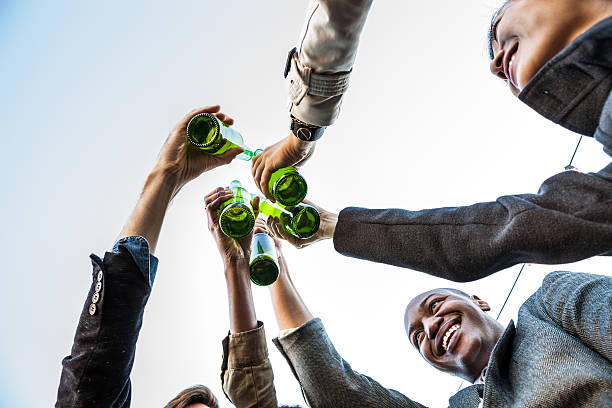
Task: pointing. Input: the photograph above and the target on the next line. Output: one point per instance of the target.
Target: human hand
(326, 228)
(289, 151)
(233, 251)
(186, 162)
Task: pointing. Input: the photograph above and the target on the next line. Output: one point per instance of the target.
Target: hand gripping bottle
(287, 186)
(206, 132)
(236, 217)
(301, 221)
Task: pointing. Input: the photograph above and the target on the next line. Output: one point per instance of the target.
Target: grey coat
(558, 355)
(569, 219)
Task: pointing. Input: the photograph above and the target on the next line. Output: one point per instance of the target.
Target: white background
(88, 93)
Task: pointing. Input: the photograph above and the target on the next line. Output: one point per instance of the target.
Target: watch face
(304, 133)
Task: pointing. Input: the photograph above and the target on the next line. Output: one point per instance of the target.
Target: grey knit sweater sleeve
(327, 380)
(579, 303)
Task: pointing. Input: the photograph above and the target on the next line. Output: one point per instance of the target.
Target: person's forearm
(240, 297)
(290, 309)
(148, 215)
(568, 220)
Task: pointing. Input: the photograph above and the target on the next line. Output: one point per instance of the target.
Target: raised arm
(327, 380)
(246, 372)
(96, 373)
(569, 219)
(317, 73)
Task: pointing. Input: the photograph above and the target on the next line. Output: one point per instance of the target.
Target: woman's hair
(490, 36)
(192, 395)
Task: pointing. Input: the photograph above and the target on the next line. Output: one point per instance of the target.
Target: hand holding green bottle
(233, 251)
(183, 161)
(327, 226)
(290, 151)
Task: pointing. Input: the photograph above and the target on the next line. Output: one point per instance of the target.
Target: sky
(88, 94)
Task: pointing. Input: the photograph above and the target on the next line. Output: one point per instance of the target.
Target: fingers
(205, 109)
(280, 233)
(265, 180)
(208, 198)
(255, 205)
(225, 118)
(257, 175)
(212, 201)
(230, 155)
(260, 227)
(269, 228)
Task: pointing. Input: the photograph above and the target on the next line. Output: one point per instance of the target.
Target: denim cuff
(138, 248)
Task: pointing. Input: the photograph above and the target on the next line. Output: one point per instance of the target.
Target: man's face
(452, 332)
(528, 33)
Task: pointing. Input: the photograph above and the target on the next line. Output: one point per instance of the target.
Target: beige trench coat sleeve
(318, 73)
(246, 372)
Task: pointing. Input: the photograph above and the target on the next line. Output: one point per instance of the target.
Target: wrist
(298, 144)
(236, 267)
(328, 224)
(167, 175)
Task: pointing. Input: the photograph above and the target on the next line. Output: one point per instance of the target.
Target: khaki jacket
(246, 372)
(318, 73)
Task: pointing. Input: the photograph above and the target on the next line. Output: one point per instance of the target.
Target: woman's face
(528, 33)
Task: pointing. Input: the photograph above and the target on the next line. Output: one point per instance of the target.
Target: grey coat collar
(573, 86)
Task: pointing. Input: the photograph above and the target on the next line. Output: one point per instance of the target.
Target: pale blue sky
(88, 94)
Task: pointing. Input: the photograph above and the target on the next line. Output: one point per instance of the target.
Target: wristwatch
(305, 131)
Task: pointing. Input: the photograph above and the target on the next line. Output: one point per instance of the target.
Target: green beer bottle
(206, 132)
(263, 266)
(301, 221)
(236, 216)
(287, 186)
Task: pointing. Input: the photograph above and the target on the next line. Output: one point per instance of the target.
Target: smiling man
(451, 332)
(559, 354)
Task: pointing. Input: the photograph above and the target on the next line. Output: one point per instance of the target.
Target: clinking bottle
(206, 132)
(301, 221)
(287, 186)
(236, 217)
(263, 265)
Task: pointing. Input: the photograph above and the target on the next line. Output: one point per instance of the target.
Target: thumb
(231, 154)
(255, 205)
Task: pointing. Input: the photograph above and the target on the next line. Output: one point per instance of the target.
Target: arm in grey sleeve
(581, 304)
(569, 219)
(319, 72)
(327, 380)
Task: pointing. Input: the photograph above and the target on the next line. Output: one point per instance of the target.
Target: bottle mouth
(196, 123)
(306, 222)
(237, 220)
(263, 270)
(290, 189)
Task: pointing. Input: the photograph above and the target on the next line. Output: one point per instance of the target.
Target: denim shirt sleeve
(138, 248)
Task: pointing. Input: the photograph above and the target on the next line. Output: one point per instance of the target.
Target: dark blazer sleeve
(569, 219)
(97, 371)
(579, 303)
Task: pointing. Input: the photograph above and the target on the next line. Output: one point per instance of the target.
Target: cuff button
(92, 309)
(100, 274)
(95, 298)
(98, 287)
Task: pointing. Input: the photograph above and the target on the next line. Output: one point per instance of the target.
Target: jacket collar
(495, 371)
(573, 86)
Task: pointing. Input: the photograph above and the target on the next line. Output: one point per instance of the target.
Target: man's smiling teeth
(447, 335)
